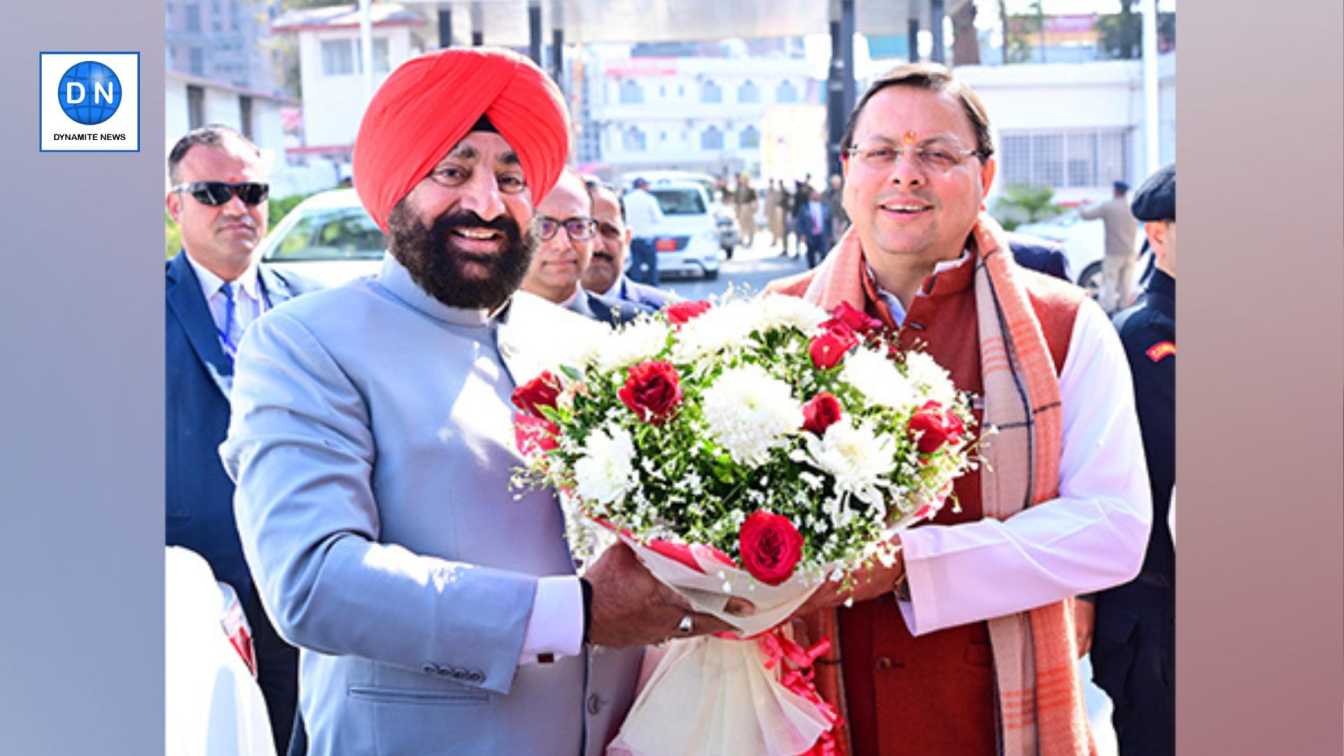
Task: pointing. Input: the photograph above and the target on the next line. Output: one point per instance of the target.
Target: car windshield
(680, 201)
(334, 234)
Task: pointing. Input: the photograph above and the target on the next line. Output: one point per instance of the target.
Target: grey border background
(1261, 393)
(1260, 386)
(81, 398)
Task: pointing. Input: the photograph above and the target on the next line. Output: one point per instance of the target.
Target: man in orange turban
(372, 444)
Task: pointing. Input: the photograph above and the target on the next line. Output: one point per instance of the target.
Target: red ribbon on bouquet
(796, 674)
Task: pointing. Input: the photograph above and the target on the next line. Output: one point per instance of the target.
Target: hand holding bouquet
(752, 448)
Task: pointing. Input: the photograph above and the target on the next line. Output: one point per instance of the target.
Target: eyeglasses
(578, 229)
(216, 193)
(936, 159)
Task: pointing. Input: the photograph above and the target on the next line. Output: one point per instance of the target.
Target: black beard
(437, 264)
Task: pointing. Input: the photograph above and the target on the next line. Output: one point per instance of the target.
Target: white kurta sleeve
(1090, 538)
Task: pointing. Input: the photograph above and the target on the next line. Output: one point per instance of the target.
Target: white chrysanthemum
(929, 378)
(750, 412)
(782, 311)
(872, 373)
(606, 471)
(856, 457)
(582, 346)
(719, 328)
(636, 342)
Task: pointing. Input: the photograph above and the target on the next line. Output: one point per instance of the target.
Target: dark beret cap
(1155, 199)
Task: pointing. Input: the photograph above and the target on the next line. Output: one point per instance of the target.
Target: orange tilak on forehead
(909, 138)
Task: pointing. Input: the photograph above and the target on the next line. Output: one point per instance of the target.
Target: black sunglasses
(215, 193)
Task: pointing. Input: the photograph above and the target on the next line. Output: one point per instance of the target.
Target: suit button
(595, 704)
(884, 662)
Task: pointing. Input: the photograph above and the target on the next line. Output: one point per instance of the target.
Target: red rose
(771, 547)
(681, 312)
(932, 427)
(820, 412)
(539, 392)
(830, 347)
(534, 435)
(855, 319)
(652, 391)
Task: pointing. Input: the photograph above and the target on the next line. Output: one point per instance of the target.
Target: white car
(1084, 243)
(730, 233)
(328, 238)
(687, 241)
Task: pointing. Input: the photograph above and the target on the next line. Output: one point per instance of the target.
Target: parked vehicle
(1084, 243)
(730, 232)
(328, 238)
(688, 239)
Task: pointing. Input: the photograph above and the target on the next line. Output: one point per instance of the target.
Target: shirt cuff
(556, 625)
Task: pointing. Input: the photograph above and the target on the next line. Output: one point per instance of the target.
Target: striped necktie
(228, 335)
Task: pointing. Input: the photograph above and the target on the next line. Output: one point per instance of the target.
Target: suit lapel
(277, 289)
(187, 304)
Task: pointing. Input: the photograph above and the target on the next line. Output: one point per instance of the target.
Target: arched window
(632, 139)
(710, 92)
(750, 138)
(631, 92)
(711, 139)
(748, 92)
(786, 92)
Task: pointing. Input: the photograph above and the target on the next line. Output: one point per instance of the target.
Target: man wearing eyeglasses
(216, 289)
(436, 606)
(966, 643)
(605, 274)
(565, 225)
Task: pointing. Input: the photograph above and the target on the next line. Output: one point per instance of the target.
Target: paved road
(752, 269)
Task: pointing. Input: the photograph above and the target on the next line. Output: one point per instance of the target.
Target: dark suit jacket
(199, 494)
(614, 311)
(643, 295)
(1041, 255)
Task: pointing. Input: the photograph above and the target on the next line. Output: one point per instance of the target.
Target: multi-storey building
(221, 40)
(710, 113)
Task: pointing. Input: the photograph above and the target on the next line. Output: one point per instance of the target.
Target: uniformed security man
(1133, 651)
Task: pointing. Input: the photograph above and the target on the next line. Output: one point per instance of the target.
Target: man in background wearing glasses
(606, 270)
(215, 289)
(966, 643)
(565, 224)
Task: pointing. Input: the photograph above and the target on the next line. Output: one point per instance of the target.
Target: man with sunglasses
(565, 224)
(966, 643)
(215, 289)
(373, 442)
(606, 270)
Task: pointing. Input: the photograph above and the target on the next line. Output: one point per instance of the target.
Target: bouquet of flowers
(755, 448)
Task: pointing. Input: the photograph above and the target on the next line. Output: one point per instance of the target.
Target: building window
(750, 138)
(338, 57)
(786, 92)
(631, 92)
(198, 61)
(1064, 159)
(192, 20)
(711, 139)
(748, 92)
(633, 140)
(195, 106)
(710, 92)
(245, 116)
(343, 57)
(662, 91)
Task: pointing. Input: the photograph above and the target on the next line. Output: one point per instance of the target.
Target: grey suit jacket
(372, 444)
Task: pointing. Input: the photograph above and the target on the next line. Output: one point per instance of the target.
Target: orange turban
(431, 102)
